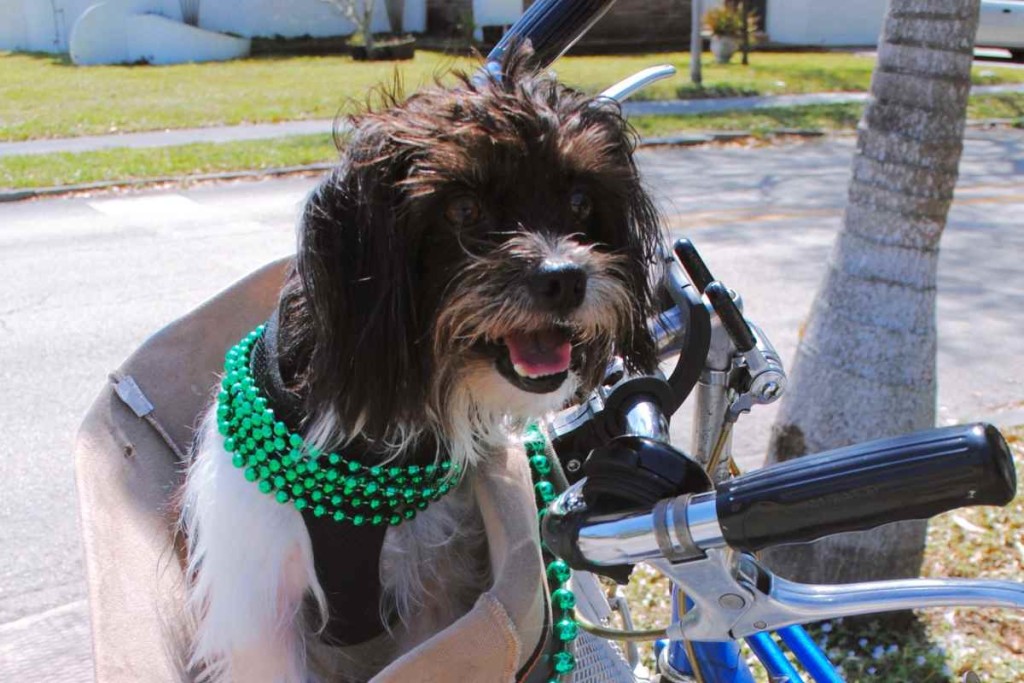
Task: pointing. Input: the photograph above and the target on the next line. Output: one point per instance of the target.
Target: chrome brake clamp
(721, 589)
(767, 377)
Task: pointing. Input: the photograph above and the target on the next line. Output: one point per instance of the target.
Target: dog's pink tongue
(535, 354)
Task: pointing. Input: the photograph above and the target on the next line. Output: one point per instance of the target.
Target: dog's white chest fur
(250, 563)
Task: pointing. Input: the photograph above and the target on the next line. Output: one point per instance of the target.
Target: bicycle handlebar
(859, 487)
(849, 489)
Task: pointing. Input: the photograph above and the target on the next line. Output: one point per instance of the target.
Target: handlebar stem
(667, 331)
(710, 409)
(711, 405)
(645, 418)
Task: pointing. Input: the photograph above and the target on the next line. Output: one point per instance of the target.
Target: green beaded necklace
(284, 466)
(562, 599)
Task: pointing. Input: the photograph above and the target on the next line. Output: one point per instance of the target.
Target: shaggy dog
(475, 260)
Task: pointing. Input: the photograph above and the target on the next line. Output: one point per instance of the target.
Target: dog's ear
(356, 265)
(631, 227)
(644, 242)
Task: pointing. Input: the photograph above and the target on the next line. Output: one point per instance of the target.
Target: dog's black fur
(379, 260)
(464, 227)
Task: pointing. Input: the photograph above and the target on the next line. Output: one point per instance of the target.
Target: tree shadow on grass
(894, 648)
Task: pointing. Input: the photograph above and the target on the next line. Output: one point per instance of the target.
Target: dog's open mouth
(536, 361)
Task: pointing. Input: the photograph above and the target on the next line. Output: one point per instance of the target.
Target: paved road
(85, 279)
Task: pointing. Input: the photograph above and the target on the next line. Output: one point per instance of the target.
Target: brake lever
(766, 379)
(735, 596)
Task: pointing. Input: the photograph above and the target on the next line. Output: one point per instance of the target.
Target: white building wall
(39, 25)
(45, 25)
(29, 26)
(151, 31)
(289, 18)
(67, 13)
(825, 22)
(293, 18)
(13, 29)
(414, 19)
(494, 13)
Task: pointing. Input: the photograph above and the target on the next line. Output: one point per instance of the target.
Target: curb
(682, 140)
(693, 139)
(33, 193)
(994, 123)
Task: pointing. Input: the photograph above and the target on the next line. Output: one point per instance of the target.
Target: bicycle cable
(691, 654)
(624, 635)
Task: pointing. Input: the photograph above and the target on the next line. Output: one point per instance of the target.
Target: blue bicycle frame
(723, 662)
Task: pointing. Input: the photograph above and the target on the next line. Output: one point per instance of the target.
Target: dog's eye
(462, 211)
(580, 204)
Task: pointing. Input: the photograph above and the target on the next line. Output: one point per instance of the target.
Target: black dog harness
(346, 557)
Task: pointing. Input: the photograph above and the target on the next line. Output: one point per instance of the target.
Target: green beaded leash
(282, 465)
(562, 599)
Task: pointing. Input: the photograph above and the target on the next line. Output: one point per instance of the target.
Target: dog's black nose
(558, 286)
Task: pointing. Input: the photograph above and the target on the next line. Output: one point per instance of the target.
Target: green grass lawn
(46, 170)
(43, 96)
(825, 117)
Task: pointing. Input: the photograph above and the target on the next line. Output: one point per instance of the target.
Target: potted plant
(726, 26)
(382, 47)
(364, 44)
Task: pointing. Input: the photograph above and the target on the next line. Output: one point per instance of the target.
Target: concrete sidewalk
(721, 104)
(263, 131)
(168, 138)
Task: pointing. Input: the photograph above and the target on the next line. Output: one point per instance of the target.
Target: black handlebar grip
(860, 487)
(552, 27)
(695, 267)
(730, 315)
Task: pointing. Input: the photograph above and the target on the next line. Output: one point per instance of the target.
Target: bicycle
(642, 500)
(639, 499)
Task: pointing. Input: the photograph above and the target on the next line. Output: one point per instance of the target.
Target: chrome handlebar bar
(733, 594)
(679, 529)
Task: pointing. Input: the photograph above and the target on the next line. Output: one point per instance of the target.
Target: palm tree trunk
(865, 366)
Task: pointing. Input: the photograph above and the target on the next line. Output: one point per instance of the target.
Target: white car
(1001, 24)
